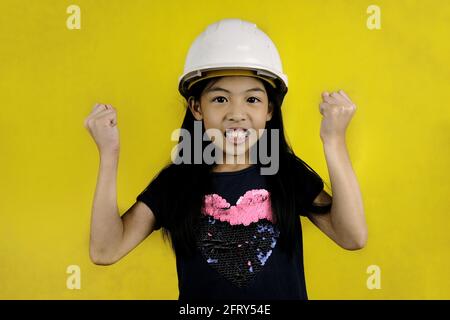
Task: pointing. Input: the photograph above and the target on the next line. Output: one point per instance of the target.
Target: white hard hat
(233, 47)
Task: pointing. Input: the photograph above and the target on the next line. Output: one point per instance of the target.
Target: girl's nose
(236, 112)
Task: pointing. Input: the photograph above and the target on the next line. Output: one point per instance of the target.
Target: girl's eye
(218, 98)
(254, 98)
(224, 98)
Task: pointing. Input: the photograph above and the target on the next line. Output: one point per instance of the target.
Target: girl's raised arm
(112, 236)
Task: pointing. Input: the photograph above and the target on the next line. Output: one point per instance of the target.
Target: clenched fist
(337, 110)
(102, 125)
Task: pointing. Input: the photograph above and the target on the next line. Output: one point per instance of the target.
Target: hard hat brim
(230, 72)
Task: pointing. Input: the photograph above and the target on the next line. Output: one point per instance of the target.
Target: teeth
(239, 133)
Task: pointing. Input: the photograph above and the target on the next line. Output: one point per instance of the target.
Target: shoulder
(175, 178)
(301, 171)
(160, 183)
(167, 173)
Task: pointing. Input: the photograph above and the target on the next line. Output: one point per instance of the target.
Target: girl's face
(234, 102)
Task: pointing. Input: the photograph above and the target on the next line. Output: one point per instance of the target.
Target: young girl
(235, 231)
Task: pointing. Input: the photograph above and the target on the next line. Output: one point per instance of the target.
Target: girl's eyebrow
(222, 89)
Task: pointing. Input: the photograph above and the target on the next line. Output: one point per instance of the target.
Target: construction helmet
(233, 47)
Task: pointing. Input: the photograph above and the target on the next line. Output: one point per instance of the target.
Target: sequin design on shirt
(237, 241)
(251, 207)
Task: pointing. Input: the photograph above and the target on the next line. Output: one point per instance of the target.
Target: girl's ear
(195, 108)
(270, 112)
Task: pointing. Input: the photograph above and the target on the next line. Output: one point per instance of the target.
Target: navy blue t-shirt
(238, 256)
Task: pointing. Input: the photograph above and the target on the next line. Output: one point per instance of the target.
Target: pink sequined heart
(251, 207)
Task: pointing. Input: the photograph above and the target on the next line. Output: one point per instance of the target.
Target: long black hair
(189, 182)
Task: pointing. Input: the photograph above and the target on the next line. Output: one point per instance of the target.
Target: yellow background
(131, 53)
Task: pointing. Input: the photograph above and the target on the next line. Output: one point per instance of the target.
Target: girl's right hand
(102, 125)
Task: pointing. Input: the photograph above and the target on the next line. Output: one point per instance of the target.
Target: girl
(235, 231)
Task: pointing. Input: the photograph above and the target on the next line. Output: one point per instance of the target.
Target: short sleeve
(311, 187)
(153, 197)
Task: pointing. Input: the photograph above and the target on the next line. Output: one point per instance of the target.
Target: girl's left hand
(337, 110)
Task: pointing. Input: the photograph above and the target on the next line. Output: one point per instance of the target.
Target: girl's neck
(230, 167)
(240, 163)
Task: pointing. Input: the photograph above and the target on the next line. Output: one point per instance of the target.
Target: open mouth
(236, 135)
